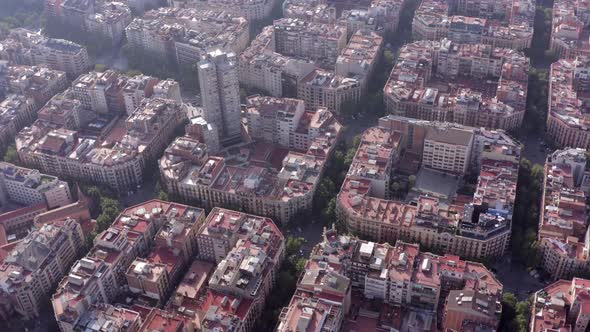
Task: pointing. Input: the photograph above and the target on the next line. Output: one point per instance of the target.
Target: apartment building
(277, 64)
(470, 84)
(313, 11)
(408, 283)
(318, 289)
(137, 88)
(112, 92)
(469, 306)
(225, 292)
(16, 224)
(447, 149)
(377, 15)
(360, 55)
(16, 111)
(220, 94)
(506, 24)
(562, 229)
(387, 13)
(74, 12)
(210, 309)
(165, 321)
(109, 20)
(244, 277)
(79, 211)
(30, 187)
(317, 41)
(323, 88)
(38, 83)
(103, 19)
(89, 281)
(99, 277)
(268, 180)
(115, 152)
(115, 318)
(180, 234)
(250, 10)
(262, 67)
(561, 305)
(567, 120)
(26, 47)
(149, 279)
(358, 20)
(569, 26)
(183, 36)
(225, 230)
(431, 215)
(35, 265)
(34, 195)
(186, 297)
(305, 312)
(102, 92)
(274, 120)
(136, 255)
(168, 89)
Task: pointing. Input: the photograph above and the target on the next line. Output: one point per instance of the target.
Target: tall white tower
(220, 93)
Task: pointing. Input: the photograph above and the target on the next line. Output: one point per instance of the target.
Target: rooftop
(104, 315)
(439, 208)
(261, 167)
(506, 20)
(201, 29)
(567, 89)
(564, 206)
(425, 74)
(104, 141)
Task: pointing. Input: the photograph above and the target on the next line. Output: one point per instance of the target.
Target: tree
(132, 72)
(162, 195)
(515, 314)
(94, 193)
(99, 67)
(388, 57)
(356, 142)
(293, 245)
(395, 188)
(326, 190)
(329, 212)
(11, 155)
(411, 181)
(300, 265)
(348, 158)
(510, 299)
(526, 212)
(104, 204)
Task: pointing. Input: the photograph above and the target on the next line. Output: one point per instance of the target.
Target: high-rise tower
(220, 93)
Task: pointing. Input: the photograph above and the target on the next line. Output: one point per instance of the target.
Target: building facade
(36, 264)
(563, 234)
(266, 181)
(567, 121)
(220, 93)
(458, 92)
(429, 215)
